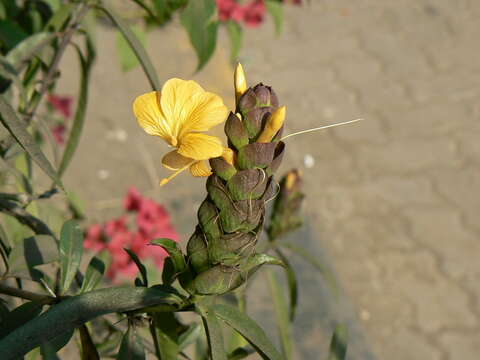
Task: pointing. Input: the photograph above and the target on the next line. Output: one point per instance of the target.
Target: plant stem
(27, 295)
(53, 68)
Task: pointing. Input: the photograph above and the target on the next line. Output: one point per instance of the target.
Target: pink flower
(254, 13)
(62, 104)
(95, 239)
(152, 220)
(230, 10)
(133, 199)
(58, 133)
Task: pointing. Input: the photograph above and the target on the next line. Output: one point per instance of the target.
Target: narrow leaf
(338, 346)
(275, 9)
(171, 247)
(189, 336)
(308, 257)
(239, 353)
(198, 20)
(128, 59)
(235, 33)
(93, 275)
(136, 46)
(282, 316)
(292, 283)
(19, 316)
(89, 350)
(131, 347)
(214, 335)
(77, 310)
(249, 330)
(79, 119)
(140, 266)
(58, 19)
(166, 325)
(31, 252)
(71, 250)
(56, 344)
(18, 130)
(25, 50)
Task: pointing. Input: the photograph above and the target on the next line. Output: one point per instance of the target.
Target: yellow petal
(200, 168)
(228, 155)
(187, 107)
(239, 81)
(174, 161)
(146, 108)
(274, 123)
(200, 146)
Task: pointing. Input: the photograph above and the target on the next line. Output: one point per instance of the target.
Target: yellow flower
(178, 114)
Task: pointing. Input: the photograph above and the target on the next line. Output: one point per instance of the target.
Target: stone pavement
(394, 198)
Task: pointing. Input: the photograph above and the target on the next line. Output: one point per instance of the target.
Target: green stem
(27, 295)
(76, 311)
(81, 11)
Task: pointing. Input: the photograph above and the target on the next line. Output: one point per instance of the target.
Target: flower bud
(286, 209)
(235, 131)
(240, 82)
(273, 125)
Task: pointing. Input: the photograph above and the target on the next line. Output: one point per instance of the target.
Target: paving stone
(461, 345)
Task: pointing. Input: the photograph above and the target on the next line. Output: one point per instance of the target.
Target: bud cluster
(221, 252)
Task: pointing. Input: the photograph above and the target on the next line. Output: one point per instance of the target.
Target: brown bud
(236, 132)
(256, 155)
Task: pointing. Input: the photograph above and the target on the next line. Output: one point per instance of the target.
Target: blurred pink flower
(62, 104)
(95, 239)
(58, 132)
(230, 10)
(152, 222)
(254, 13)
(133, 199)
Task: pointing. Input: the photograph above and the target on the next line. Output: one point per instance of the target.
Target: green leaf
(166, 329)
(338, 345)
(93, 275)
(198, 20)
(235, 34)
(11, 33)
(136, 46)
(19, 316)
(308, 257)
(79, 119)
(275, 9)
(292, 283)
(56, 344)
(74, 311)
(89, 350)
(248, 329)
(189, 336)
(171, 247)
(140, 266)
(214, 335)
(58, 20)
(4, 251)
(71, 250)
(239, 353)
(131, 347)
(18, 130)
(25, 50)
(31, 252)
(281, 312)
(128, 59)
